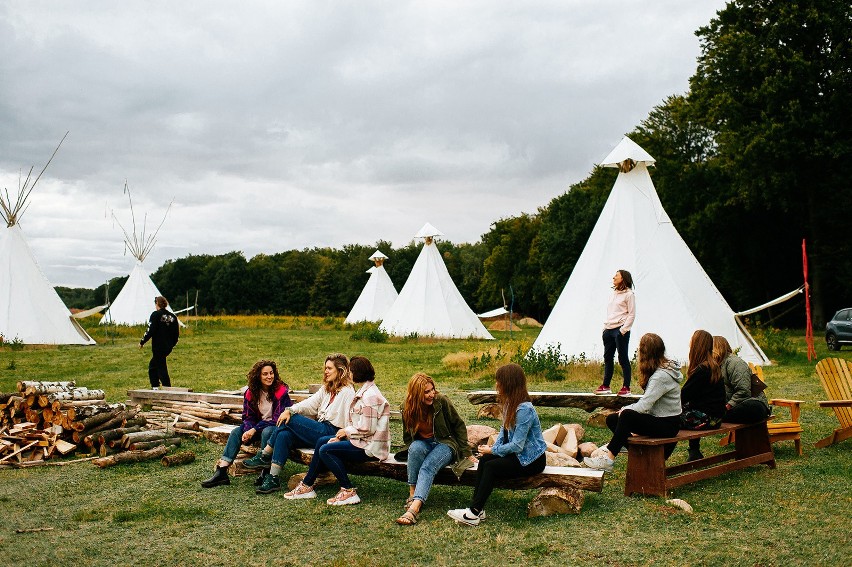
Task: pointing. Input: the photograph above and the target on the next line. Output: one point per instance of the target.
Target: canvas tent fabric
(135, 302)
(674, 296)
(30, 309)
(378, 294)
(429, 303)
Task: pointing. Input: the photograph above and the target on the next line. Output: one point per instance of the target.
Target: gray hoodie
(662, 393)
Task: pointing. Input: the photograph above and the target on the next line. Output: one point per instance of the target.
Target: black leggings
(630, 421)
(492, 468)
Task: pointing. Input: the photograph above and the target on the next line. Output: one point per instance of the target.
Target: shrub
(369, 332)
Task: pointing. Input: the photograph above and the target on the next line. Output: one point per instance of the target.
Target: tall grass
(147, 514)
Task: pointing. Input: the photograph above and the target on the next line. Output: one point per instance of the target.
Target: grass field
(147, 514)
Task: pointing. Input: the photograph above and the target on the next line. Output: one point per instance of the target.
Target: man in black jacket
(163, 332)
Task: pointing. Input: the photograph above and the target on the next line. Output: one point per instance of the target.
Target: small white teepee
(30, 309)
(674, 296)
(135, 302)
(377, 296)
(429, 303)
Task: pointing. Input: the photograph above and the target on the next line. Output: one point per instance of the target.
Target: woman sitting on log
(435, 436)
(519, 449)
(366, 437)
(322, 414)
(703, 394)
(263, 402)
(743, 405)
(656, 413)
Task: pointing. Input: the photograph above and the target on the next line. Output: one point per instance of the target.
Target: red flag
(809, 330)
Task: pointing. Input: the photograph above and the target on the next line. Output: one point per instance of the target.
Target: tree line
(750, 161)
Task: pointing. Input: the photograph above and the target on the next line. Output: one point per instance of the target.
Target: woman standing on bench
(435, 436)
(365, 437)
(519, 449)
(267, 396)
(656, 414)
(304, 423)
(741, 405)
(703, 394)
(620, 313)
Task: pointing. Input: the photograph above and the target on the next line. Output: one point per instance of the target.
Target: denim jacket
(525, 439)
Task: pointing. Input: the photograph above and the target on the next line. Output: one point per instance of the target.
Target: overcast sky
(285, 125)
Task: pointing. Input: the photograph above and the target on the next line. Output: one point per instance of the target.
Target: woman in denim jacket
(519, 449)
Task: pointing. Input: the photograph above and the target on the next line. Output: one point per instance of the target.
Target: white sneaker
(302, 490)
(465, 516)
(155, 388)
(344, 497)
(601, 463)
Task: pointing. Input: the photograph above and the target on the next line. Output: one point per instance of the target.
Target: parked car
(838, 331)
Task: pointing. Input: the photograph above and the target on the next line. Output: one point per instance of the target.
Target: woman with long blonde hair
(304, 423)
(519, 448)
(434, 435)
(656, 413)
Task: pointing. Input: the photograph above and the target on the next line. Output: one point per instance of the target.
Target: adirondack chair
(836, 377)
(778, 430)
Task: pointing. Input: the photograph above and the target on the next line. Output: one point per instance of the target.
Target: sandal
(409, 518)
(408, 502)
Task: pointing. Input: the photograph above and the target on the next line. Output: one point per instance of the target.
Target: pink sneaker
(624, 391)
(602, 390)
(344, 497)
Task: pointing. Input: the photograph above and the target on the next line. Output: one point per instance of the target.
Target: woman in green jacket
(435, 436)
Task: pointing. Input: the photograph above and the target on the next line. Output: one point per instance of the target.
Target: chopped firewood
(178, 459)
(131, 457)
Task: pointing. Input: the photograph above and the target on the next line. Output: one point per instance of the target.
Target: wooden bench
(582, 400)
(648, 474)
(561, 487)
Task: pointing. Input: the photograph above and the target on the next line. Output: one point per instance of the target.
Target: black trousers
(158, 372)
(747, 411)
(491, 468)
(629, 421)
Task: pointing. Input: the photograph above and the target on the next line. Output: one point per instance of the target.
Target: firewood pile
(189, 417)
(42, 419)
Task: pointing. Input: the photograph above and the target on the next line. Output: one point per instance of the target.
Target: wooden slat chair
(778, 430)
(836, 377)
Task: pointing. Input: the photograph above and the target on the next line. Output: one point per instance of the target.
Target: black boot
(259, 480)
(219, 477)
(694, 450)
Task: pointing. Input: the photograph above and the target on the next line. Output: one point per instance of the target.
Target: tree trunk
(131, 457)
(178, 459)
(36, 387)
(144, 445)
(581, 400)
(129, 438)
(561, 500)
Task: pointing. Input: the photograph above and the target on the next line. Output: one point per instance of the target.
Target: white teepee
(135, 302)
(377, 296)
(30, 309)
(674, 296)
(429, 303)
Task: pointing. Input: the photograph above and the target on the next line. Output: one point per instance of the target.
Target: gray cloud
(289, 125)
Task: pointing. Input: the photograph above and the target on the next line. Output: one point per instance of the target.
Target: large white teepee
(377, 296)
(429, 303)
(135, 301)
(674, 296)
(30, 309)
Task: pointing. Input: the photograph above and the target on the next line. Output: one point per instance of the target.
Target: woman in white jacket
(304, 423)
(656, 414)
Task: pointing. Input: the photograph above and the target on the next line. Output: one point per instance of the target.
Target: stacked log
(189, 417)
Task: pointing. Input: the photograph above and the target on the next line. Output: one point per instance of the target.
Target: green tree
(774, 84)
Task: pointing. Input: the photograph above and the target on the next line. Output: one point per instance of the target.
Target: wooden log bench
(648, 474)
(582, 400)
(561, 488)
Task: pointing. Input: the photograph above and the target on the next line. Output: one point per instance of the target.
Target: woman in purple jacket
(264, 400)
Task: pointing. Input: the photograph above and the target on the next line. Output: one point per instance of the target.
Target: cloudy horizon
(279, 126)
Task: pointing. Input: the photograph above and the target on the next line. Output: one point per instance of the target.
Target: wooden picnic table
(582, 400)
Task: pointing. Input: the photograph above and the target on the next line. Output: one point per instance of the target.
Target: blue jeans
(425, 458)
(613, 340)
(235, 439)
(300, 431)
(330, 456)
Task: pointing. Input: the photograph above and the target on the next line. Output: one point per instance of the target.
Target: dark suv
(839, 330)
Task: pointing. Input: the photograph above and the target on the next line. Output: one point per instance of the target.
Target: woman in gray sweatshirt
(656, 414)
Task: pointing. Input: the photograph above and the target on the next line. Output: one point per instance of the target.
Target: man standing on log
(163, 332)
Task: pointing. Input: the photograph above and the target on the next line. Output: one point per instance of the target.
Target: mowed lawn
(145, 514)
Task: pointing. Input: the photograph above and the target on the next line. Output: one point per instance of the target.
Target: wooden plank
(152, 396)
(583, 400)
(835, 403)
(575, 477)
